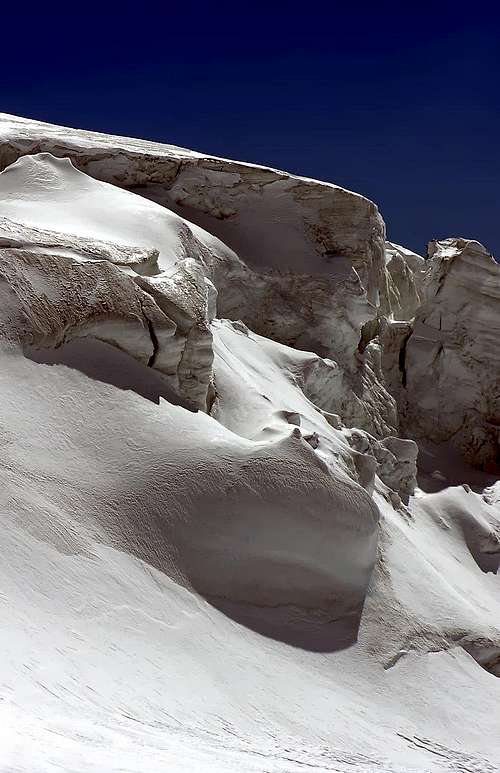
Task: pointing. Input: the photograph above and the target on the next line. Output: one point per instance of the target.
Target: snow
(238, 587)
(49, 193)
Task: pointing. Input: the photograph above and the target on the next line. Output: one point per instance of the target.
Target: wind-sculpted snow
(59, 208)
(221, 549)
(311, 256)
(74, 273)
(233, 523)
(48, 193)
(270, 218)
(49, 300)
(18, 235)
(308, 393)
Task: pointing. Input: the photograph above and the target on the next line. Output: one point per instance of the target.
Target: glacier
(250, 462)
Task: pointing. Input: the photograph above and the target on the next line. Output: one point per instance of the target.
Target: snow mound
(49, 193)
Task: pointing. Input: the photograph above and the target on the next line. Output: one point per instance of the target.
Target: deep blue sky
(399, 102)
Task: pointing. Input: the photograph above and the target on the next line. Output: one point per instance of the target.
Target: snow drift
(240, 525)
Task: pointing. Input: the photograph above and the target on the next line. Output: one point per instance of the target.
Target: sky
(400, 102)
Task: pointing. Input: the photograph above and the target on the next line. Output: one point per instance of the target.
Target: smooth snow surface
(219, 551)
(49, 193)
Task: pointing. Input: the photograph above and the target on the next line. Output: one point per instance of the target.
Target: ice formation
(249, 462)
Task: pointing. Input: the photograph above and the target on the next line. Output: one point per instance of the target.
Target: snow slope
(211, 558)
